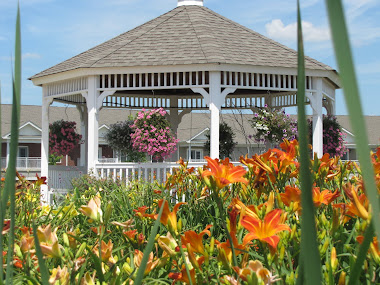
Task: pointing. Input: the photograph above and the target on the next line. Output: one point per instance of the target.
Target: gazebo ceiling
(186, 35)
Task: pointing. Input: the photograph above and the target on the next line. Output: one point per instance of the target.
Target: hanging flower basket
(63, 137)
(153, 135)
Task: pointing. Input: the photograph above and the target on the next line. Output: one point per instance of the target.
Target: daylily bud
(279, 201)
(127, 268)
(334, 260)
(18, 251)
(336, 220)
(290, 278)
(294, 229)
(179, 225)
(325, 246)
(66, 241)
(270, 203)
(212, 244)
(282, 253)
(342, 278)
(108, 212)
(80, 250)
(322, 235)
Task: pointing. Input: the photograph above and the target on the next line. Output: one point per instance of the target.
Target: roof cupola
(190, 2)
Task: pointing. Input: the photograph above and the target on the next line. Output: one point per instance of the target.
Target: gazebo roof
(183, 36)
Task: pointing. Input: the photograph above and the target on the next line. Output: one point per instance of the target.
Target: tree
(226, 141)
(119, 138)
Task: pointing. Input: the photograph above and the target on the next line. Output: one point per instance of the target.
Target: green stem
(184, 261)
(223, 217)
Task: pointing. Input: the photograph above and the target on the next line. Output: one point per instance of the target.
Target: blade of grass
(357, 268)
(309, 247)
(351, 93)
(43, 269)
(148, 248)
(9, 190)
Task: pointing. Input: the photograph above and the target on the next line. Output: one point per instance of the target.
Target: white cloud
(278, 31)
(356, 8)
(31, 55)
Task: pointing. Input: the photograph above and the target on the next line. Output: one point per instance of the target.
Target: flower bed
(101, 231)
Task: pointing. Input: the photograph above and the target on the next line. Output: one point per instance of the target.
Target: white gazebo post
(93, 123)
(83, 126)
(214, 100)
(46, 102)
(316, 105)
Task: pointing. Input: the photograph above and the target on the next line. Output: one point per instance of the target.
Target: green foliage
(226, 141)
(118, 138)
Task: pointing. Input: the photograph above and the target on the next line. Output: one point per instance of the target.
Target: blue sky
(55, 30)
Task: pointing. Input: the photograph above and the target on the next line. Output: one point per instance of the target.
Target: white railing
(22, 163)
(149, 172)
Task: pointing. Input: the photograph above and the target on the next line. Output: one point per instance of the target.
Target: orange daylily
(106, 250)
(292, 194)
(194, 240)
(27, 242)
(182, 276)
(168, 218)
(374, 247)
(93, 210)
(324, 197)
(151, 262)
(49, 241)
(265, 230)
(243, 209)
(224, 173)
(140, 212)
(361, 204)
(258, 268)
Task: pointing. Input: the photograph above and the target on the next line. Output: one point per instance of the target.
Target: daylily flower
(168, 244)
(93, 210)
(151, 262)
(182, 276)
(106, 250)
(324, 197)
(169, 219)
(243, 209)
(261, 272)
(264, 230)
(374, 247)
(88, 279)
(40, 181)
(194, 240)
(27, 242)
(140, 212)
(49, 241)
(223, 172)
(292, 194)
(61, 275)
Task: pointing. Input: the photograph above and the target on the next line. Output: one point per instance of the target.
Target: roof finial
(190, 2)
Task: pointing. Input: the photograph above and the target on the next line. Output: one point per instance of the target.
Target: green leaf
(351, 93)
(148, 248)
(9, 188)
(309, 247)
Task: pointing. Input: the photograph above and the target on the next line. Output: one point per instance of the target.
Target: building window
(196, 155)
(23, 151)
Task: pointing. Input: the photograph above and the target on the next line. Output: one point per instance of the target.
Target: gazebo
(190, 58)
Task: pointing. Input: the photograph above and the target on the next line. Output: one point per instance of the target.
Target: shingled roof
(186, 35)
